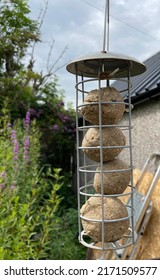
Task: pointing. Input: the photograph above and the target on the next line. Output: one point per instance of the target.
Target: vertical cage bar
(130, 150)
(78, 157)
(84, 123)
(101, 155)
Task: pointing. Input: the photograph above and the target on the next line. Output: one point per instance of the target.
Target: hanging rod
(106, 28)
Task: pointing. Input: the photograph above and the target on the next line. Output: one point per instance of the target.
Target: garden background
(38, 207)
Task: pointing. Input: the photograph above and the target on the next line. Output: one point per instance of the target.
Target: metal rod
(84, 123)
(148, 195)
(106, 27)
(131, 158)
(101, 156)
(78, 159)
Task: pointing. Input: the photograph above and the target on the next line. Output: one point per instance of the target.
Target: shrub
(57, 125)
(35, 220)
(65, 238)
(28, 199)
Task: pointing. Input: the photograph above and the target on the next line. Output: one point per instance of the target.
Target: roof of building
(146, 85)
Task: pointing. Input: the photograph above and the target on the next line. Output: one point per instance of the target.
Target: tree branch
(51, 69)
(50, 53)
(41, 18)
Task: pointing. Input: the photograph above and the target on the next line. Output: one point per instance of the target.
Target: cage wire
(95, 74)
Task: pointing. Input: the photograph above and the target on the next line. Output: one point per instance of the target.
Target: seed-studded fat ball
(113, 182)
(113, 209)
(112, 112)
(111, 136)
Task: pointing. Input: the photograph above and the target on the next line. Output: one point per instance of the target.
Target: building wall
(145, 132)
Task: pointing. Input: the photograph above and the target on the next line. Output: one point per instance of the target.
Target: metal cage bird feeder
(98, 70)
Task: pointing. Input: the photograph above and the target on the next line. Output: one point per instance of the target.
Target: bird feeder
(106, 223)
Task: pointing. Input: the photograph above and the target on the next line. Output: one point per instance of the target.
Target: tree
(17, 32)
(26, 89)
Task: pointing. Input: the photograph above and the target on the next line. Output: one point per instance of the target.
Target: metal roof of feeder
(105, 64)
(116, 63)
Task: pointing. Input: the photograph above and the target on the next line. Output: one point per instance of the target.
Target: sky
(77, 29)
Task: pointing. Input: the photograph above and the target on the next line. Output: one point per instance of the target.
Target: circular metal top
(111, 64)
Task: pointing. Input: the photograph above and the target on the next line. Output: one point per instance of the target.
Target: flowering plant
(57, 125)
(28, 199)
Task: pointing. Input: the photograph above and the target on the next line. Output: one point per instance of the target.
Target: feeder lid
(112, 64)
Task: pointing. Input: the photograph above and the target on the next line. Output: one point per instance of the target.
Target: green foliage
(66, 245)
(35, 222)
(57, 125)
(17, 32)
(28, 197)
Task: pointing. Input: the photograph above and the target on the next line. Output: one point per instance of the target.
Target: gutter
(145, 96)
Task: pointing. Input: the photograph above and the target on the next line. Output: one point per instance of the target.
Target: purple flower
(12, 187)
(27, 118)
(33, 112)
(15, 150)
(2, 186)
(13, 135)
(16, 147)
(15, 159)
(25, 157)
(63, 118)
(56, 127)
(26, 142)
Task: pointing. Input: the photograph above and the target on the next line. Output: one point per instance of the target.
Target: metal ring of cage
(90, 194)
(95, 79)
(117, 245)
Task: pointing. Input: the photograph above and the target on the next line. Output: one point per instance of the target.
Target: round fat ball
(111, 136)
(112, 112)
(113, 209)
(113, 182)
